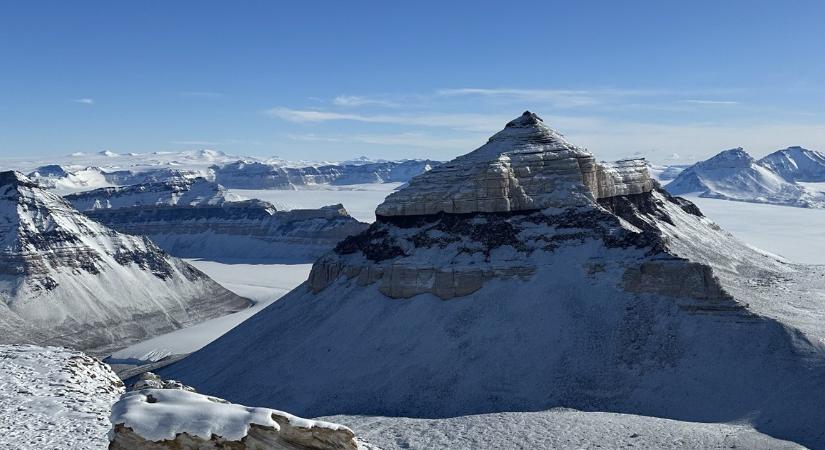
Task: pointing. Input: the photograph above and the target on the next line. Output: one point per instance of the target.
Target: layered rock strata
(198, 220)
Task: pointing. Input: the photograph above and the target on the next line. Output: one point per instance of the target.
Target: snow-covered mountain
(66, 279)
(525, 276)
(736, 175)
(796, 164)
(200, 219)
(174, 192)
(264, 175)
(81, 171)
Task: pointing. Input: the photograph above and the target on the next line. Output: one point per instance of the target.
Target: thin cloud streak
(460, 121)
(710, 102)
(356, 100)
(84, 101)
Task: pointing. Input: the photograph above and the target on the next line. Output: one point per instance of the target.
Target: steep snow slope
(796, 164)
(54, 398)
(613, 297)
(65, 279)
(735, 175)
(199, 219)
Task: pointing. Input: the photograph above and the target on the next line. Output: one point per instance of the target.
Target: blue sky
(673, 81)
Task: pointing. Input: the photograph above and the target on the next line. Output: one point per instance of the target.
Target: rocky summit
(527, 166)
(525, 276)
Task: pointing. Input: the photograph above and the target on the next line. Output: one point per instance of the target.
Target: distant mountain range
(200, 219)
(785, 177)
(80, 172)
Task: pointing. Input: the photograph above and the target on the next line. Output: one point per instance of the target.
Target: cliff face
(258, 175)
(196, 219)
(66, 279)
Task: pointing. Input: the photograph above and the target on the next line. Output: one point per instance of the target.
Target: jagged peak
(15, 178)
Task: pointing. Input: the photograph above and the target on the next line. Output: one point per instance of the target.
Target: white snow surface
(262, 283)
(360, 200)
(796, 234)
(54, 398)
(174, 411)
(554, 429)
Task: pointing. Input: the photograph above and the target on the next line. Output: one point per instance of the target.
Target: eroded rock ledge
(166, 419)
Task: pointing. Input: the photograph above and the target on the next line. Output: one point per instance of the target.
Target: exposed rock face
(196, 219)
(176, 192)
(259, 175)
(252, 175)
(65, 279)
(526, 166)
(155, 419)
(149, 380)
(53, 397)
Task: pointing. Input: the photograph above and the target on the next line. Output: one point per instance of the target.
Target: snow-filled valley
(260, 282)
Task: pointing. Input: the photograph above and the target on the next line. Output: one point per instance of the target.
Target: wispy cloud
(202, 94)
(460, 121)
(84, 101)
(357, 100)
(418, 140)
(710, 102)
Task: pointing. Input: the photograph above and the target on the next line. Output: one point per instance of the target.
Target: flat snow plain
(359, 200)
(796, 234)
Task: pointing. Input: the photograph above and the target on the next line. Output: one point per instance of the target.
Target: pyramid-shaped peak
(733, 158)
(526, 166)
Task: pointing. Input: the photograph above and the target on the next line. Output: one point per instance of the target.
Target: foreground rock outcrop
(68, 280)
(525, 276)
(175, 419)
